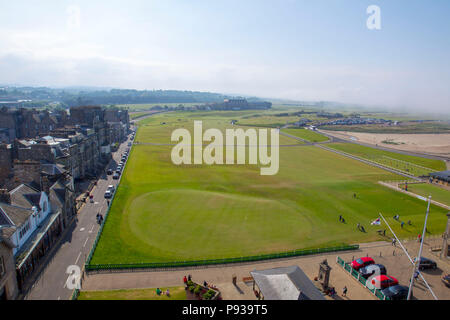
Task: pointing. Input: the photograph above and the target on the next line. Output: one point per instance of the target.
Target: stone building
(36, 219)
(29, 123)
(86, 115)
(8, 282)
(6, 161)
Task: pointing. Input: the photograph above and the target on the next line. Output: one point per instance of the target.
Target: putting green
(237, 219)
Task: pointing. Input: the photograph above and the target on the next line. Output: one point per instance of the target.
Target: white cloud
(65, 59)
(73, 17)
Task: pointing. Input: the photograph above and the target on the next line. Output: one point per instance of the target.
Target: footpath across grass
(416, 166)
(425, 189)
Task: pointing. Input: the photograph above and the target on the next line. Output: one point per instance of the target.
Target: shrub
(208, 295)
(197, 289)
(192, 288)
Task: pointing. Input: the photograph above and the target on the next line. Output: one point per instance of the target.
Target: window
(2, 267)
(24, 230)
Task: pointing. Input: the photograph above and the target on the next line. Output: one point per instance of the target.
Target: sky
(289, 49)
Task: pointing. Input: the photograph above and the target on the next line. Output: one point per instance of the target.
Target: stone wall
(8, 281)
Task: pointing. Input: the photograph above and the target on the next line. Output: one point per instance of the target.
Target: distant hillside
(68, 97)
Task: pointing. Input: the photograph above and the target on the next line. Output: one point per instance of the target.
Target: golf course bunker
(186, 224)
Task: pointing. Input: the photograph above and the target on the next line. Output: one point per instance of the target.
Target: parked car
(377, 269)
(362, 262)
(111, 188)
(129, 144)
(109, 172)
(383, 281)
(397, 292)
(446, 280)
(116, 176)
(426, 263)
(108, 194)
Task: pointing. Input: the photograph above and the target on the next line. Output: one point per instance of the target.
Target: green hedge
(98, 267)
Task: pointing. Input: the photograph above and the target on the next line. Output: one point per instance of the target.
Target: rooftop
(286, 283)
(443, 175)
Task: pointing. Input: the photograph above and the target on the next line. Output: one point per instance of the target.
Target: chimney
(45, 184)
(5, 197)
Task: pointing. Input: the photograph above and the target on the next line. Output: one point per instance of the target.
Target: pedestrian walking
(358, 226)
(402, 224)
(189, 277)
(185, 280)
(393, 242)
(344, 291)
(340, 217)
(384, 232)
(343, 220)
(419, 237)
(362, 229)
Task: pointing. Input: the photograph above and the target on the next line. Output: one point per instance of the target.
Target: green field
(416, 166)
(148, 106)
(137, 115)
(424, 189)
(306, 134)
(164, 212)
(176, 293)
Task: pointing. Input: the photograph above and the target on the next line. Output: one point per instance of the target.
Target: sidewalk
(393, 258)
(74, 245)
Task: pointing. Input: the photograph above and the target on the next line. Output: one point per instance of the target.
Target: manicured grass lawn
(164, 213)
(438, 194)
(306, 134)
(176, 293)
(415, 165)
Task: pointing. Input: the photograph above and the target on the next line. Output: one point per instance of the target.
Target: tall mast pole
(409, 257)
(417, 263)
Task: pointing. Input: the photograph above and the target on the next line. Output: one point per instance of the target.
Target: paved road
(408, 153)
(75, 244)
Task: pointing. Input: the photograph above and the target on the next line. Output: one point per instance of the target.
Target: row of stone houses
(43, 156)
(31, 123)
(31, 221)
(82, 143)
